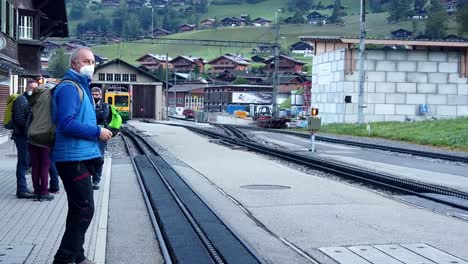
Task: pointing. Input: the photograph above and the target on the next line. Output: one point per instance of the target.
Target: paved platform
(31, 231)
(288, 216)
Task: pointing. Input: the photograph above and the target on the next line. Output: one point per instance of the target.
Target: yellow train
(121, 101)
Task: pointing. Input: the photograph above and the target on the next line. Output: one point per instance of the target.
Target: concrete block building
(428, 80)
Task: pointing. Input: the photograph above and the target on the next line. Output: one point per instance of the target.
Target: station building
(404, 79)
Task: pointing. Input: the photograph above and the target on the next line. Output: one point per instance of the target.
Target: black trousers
(77, 182)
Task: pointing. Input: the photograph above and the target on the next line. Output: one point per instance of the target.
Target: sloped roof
(231, 58)
(139, 70)
(271, 59)
(155, 56)
(189, 58)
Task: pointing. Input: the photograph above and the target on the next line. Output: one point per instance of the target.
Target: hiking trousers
(40, 169)
(77, 182)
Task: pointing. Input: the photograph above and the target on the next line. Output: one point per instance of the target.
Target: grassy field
(289, 34)
(450, 133)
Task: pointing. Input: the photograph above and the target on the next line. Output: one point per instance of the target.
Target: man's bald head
(80, 57)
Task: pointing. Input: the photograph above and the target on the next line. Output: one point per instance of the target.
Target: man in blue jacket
(76, 151)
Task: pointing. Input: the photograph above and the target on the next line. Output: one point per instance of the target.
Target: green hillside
(377, 27)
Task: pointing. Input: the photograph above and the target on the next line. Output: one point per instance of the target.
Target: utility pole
(275, 71)
(190, 90)
(175, 92)
(362, 73)
(167, 85)
(152, 21)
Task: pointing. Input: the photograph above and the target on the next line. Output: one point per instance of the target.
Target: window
(133, 77)
(125, 77)
(121, 100)
(25, 27)
(102, 77)
(11, 20)
(3, 8)
(109, 77)
(180, 100)
(117, 77)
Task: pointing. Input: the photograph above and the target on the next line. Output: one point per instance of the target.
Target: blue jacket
(77, 133)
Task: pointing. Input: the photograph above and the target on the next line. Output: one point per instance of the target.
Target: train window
(121, 100)
(110, 101)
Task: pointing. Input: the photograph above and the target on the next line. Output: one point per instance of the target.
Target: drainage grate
(265, 187)
(14, 254)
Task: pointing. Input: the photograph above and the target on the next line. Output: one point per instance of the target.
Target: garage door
(144, 101)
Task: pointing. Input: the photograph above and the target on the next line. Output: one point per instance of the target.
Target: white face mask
(29, 93)
(87, 70)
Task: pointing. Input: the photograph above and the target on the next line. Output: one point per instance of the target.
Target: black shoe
(54, 190)
(25, 195)
(96, 185)
(47, 197)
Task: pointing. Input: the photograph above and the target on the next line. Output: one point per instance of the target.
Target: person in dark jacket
(20, 115)
(102, 116)
(76, 152)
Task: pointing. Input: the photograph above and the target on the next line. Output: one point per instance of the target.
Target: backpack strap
(80, 91)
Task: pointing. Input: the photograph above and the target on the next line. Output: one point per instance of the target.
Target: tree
(462, 19)
(298, 18)
(337, 13)
(419, 4)
(300, 4)
(398, 10)
(436, 24)
(320, 6)
(76, 12)
(58, 64)
(202, 7)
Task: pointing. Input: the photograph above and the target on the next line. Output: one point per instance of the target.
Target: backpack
(41, 130)
(115, 121)
(8, 117)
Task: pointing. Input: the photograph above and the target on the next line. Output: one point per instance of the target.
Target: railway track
(414, 152)
(439, 194)
(187, 230)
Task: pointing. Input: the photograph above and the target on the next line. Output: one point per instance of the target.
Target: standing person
(20, 115)
(39, 153)
(102, 115)
(76, 151)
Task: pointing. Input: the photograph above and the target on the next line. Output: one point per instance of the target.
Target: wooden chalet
(228, 62)
(90, 35)
(301, 47)
(187, 64)
(286, 64)
(27, 24)
(187, 28)
(208, 22)
(288, 20)
(154, 62)
(315, 17)
(110, 3)
(401, 34)
(261, 22)
(233, 22)
(49, 48)
(134, 4)
(159, 32)
(257, 58)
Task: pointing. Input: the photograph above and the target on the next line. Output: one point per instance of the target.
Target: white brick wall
(348, 87)
(396, 76)
(449, 67)
(462, 110)
(407, 66)
(437, 99)
(446, 110)
(376, 98)
(463, 89)
(417, 77)
(438, 77)
(426, 66)
(406, 87)
(376, 76)
(437, 56)
(369, 87)
(394, 118)
(417, 55)
(386, 87)
(457, 99)
(455, 78)
(447, 88)
(392, 98)
(374, 118)
(453, 56)
(405, 109)
(397, 55)
(426, 88)
(375, 55)
(386, 66)
(385, 109)
(415, 98)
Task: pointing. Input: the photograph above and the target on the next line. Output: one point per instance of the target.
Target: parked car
(188, 113)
